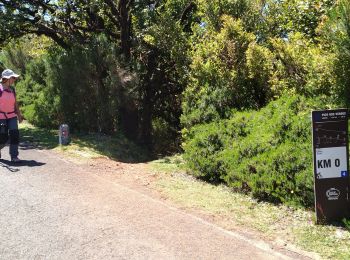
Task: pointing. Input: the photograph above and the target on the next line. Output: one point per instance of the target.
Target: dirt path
(52, 208)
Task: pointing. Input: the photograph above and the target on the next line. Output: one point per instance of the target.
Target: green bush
(231, 69)
(266, 153)
(219, 77)
(80, 86)
(39, 103)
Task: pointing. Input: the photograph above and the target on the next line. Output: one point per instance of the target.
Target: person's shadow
(13, 166)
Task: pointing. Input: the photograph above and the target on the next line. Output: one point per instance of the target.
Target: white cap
(6, 74)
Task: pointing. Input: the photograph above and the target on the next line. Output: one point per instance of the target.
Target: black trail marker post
(331, 164)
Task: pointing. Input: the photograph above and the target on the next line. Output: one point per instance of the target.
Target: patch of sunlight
(79, 152)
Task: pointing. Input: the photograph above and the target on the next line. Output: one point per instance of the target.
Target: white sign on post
(331, 162)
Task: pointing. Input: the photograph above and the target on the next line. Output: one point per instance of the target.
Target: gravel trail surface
(52, 208)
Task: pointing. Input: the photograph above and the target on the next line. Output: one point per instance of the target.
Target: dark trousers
(13, 133)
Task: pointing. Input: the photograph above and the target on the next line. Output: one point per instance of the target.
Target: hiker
(9, 113)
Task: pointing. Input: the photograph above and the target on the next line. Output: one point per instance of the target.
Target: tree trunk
(125, 27)
(145, 137)
(129, 120)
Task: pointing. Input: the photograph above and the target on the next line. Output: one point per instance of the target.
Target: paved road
(51, 208)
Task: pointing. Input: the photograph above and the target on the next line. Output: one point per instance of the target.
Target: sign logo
(333, 194)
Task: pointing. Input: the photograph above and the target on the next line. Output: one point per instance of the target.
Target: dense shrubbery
(231, 70)
(85, 83)
(220, 76)
(266, 153)
(81, 87)
(230, 135)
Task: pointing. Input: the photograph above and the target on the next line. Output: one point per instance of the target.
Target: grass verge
(285, 225)
(85, 145)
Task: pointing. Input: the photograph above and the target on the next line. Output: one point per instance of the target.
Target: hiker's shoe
(15, 160)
